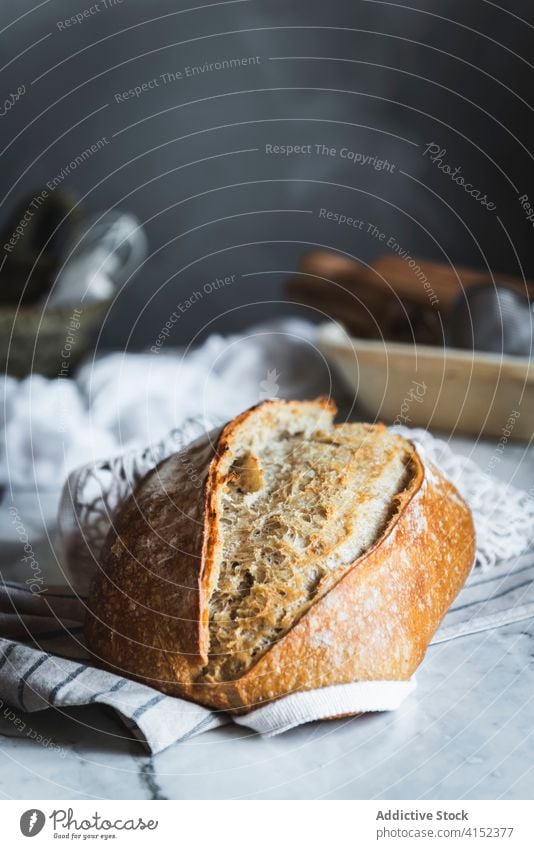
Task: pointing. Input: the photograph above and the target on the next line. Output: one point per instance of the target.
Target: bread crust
(374, 624)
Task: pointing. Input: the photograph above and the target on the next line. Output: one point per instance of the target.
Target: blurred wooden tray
(443, 389)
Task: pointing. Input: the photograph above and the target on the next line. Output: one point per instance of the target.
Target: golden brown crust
(375, 624)
(145, 602)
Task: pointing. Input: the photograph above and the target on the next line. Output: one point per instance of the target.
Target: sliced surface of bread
(296, 511)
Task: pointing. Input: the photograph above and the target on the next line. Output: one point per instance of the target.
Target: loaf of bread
(283, 553)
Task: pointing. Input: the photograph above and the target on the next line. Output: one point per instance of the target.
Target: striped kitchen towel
(43, 663)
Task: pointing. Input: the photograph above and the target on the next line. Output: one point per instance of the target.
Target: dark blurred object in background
(36, 238)
(496, 319)
(59, 279)
(418, 301)
(135, 107)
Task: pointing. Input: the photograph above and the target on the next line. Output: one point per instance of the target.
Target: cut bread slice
(296, 510)
(282, 554)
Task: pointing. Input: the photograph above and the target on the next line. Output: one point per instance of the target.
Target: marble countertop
(465, 733)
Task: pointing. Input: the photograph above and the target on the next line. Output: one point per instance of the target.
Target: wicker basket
(48, 342)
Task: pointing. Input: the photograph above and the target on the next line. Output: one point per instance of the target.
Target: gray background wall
(189, 158)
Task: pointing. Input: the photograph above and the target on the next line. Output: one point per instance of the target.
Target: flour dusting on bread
(301, 501)
(279, 555)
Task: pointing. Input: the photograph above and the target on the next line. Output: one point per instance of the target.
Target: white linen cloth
(120, 401)
(42, 656)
